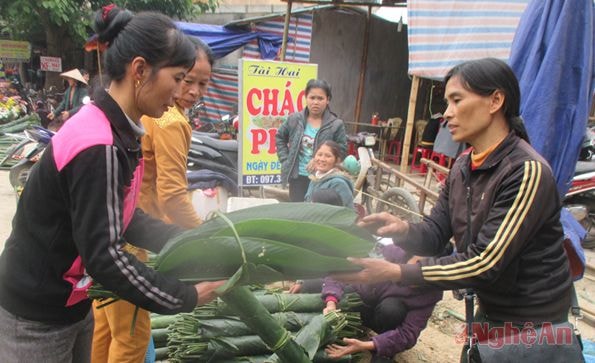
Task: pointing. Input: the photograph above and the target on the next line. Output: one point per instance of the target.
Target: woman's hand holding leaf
(374, 270)
(352, 346)
(206, 291)
(296, 287)
(330, 306)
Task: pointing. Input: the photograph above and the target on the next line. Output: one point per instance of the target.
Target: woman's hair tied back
(109, 22)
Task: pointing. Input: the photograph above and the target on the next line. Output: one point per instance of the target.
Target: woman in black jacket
(501, 206)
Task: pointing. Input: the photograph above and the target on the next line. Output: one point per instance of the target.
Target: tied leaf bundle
(194, 336)
(226, 338)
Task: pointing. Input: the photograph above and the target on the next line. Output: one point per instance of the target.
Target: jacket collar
(504, 149)
(327, 116)
(117, 119)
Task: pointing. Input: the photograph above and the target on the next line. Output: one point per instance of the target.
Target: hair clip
(106, 10)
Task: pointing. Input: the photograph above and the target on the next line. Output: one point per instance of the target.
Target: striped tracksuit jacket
(504, 217)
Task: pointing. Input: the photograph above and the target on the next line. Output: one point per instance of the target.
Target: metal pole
(362, 71)
(285, 31)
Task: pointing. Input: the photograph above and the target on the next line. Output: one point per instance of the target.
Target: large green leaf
(325, 240)
(220, 256)
(339, 217)
(305, 212)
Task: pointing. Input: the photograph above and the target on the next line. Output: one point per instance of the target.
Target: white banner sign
(50, 64)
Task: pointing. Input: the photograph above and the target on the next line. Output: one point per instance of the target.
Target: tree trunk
(56, 37)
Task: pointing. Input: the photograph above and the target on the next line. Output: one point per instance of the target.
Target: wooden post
(285, 31)
(362, 71)
(409, 126)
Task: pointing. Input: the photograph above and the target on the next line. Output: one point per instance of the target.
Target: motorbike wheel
(401, 203)
(589, 241)
(19, 173)
(370, 201)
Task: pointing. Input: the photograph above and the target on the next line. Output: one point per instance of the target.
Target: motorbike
(220, 156)
(377, 191)
(588, 146)
(28, 151)
(580, 200)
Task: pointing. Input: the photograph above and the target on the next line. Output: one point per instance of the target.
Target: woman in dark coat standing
(301, 134)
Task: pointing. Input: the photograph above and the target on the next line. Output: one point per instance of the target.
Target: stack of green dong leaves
(264, 244)
(213, 333)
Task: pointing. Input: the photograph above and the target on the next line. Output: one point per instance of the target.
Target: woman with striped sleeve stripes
(500, 205)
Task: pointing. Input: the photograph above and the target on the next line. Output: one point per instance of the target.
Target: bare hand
(296, 287)
(65, 115)
(330, 306)
(51, 116)
(206, 291)
(352, 346)
(413, 260)
(384, 224)
(374, 270)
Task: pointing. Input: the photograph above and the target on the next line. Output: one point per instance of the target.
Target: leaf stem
(235, 233)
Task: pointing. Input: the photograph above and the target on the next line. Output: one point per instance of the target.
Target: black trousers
(386, 315)
(298, 188)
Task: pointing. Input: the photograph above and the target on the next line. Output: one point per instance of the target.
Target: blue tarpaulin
(552, 56)
(224, 41)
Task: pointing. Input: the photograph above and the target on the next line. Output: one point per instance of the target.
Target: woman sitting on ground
(328, 173)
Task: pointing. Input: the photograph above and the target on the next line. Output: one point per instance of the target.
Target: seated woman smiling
(328, 173)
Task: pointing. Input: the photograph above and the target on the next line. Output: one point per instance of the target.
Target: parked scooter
(28, 151)
(378, 192)
(580, 200)
(216, 155)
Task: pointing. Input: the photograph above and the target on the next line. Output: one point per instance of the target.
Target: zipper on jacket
(469, 200)
(297, 154)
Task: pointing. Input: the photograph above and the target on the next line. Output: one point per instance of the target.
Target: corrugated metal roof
(259, 19)
(343, 5)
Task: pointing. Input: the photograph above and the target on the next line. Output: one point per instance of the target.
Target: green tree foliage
(63, 25)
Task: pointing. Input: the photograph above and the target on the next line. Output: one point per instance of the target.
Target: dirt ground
(437, 342)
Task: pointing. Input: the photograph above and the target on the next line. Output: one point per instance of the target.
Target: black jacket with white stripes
(514, 256)
(77, 209)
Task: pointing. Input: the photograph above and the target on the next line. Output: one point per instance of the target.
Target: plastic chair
(393, 152)
(418, 154)
(393, 149)
(420, 126)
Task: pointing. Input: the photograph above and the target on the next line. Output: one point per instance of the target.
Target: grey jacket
(336, 181)
(289, 137)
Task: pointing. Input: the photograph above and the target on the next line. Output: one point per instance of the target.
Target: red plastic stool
(418, 154)
(439, 158)
(351, 148)
(393, 152)
(443, 160)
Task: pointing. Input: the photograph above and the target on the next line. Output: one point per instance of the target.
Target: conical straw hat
(74, 74)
